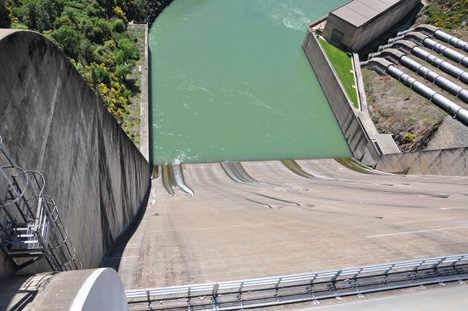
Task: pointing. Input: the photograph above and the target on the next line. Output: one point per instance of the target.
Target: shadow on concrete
(113, 256)
(19, 291)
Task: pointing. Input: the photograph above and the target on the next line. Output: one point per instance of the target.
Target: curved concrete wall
(52, 122)
(448, 162)
(103, 290)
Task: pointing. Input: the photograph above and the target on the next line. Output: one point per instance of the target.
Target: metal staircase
(30, 226)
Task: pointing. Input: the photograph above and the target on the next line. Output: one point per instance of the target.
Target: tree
(41, 14)
(101, 30)
(118, 25)
(141, 8)
(69, 39)
(122, 71)
(29, 13)
(128, 51)
(47, 12)
(86, 51)
(63, 20)
(95, 10)
(102, 76)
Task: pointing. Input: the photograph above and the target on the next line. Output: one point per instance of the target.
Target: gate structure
(30, 225)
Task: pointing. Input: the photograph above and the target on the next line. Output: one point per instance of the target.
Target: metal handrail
(244, 286)
(27, 190)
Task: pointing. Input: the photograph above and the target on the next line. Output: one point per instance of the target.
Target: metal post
(149, 298)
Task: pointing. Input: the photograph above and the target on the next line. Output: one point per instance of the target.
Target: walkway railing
(263, 292)
(30, 225)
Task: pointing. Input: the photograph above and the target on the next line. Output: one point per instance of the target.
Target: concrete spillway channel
(172, 176)
(231, 230)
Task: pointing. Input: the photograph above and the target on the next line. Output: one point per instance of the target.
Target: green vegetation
(341, 62)
(95, 37)
(447, 14)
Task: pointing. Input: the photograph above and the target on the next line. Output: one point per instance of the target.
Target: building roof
(359, 12)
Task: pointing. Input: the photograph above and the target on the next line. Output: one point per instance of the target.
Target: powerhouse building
(359, 22)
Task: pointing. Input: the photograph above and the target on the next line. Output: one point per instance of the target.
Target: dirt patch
(395, 109)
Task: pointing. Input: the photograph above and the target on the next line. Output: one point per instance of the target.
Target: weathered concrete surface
(287, 224)
(144, 108)
(358, 141)
(89, 290)
(52, 122)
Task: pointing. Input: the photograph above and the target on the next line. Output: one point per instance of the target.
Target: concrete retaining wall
(449, 162)
(360, 145)
(52, 122)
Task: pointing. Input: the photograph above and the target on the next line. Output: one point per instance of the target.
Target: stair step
(26, 235)
(21, 242)
(15, 229)
(17, 236)
(23, 250)
(27, 255)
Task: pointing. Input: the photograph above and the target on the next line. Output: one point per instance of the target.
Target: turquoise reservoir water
(230, 81)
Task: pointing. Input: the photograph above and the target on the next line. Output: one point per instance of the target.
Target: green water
(230, 81)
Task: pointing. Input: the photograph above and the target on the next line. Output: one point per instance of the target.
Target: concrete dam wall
(52, 122)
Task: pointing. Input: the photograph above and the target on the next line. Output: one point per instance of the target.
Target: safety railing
(252, 293)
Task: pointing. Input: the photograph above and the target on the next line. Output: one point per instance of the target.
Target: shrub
(118, 26)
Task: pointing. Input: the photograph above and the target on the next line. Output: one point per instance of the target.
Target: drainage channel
(255, 293)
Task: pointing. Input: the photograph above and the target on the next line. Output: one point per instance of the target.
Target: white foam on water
(286, 14)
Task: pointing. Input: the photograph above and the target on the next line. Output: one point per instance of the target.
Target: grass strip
(343, 66)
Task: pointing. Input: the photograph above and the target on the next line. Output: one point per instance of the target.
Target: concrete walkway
(144, 108)
(453, 299)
